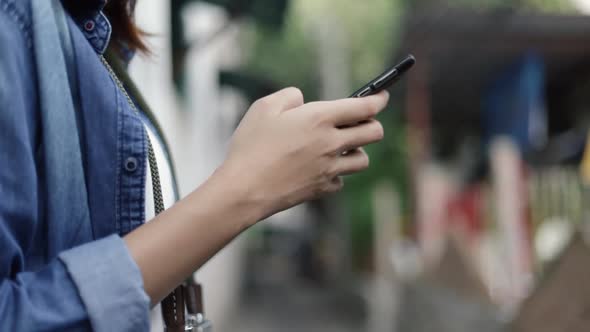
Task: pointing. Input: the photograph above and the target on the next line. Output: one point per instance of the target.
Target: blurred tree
(290, 59)
(269, 13)
(554, 6)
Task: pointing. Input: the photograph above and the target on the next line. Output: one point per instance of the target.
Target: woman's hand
(283, 153)
(286, 152)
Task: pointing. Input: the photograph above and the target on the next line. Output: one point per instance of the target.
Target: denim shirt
(89, 281)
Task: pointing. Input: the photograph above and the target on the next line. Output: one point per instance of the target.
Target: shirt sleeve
(96, 286)
(109, 284)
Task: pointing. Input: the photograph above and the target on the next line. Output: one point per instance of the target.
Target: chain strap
(158, 198)
(173, 315)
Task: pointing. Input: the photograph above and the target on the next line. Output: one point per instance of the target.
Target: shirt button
(131, 164)
(89, 26)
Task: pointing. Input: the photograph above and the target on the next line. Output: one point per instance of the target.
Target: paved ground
(299, 309)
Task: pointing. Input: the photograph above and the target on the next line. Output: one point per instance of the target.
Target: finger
(350, 111)
(366, 133)
(282, 100)
(335, 185)
(353, 162)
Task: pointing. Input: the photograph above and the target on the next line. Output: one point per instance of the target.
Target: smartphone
(387, 79)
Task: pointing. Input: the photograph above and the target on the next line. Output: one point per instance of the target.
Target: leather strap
(194, 298)
(173, 311)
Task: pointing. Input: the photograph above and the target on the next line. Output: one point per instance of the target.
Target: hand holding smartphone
(383, 82)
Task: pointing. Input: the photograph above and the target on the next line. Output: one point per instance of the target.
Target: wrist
(238, 196)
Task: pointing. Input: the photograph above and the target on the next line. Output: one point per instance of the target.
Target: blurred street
(299, 308)
(475, 211)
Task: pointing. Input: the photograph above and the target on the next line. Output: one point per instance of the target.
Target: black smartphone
(387, 79)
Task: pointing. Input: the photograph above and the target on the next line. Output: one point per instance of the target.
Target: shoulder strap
(133, 91)
(190, 292)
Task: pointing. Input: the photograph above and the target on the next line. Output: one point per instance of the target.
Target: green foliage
(290, 57)
(267, 13)
(548, 6)
(285, 58)
(553, 6)
(372, 27)
(388, 163)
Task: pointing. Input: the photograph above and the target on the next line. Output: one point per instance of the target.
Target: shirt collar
(97, 4)
(75, 7)
(92, 22)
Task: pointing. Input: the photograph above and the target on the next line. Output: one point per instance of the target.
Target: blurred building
(198, 125)
(499, 106)
(497, 117)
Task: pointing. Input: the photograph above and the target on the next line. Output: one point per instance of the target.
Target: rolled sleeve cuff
(109, 284)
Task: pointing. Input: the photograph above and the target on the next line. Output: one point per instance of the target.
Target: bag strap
(173, 306)
(121, 72)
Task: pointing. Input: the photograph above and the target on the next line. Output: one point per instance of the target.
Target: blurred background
(474, 214)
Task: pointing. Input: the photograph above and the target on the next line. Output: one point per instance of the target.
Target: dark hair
(125, 32)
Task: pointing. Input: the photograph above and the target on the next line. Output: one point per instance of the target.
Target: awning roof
(464, 49)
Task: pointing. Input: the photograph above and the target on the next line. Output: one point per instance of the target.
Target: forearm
(283, 153)
(186, 236)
